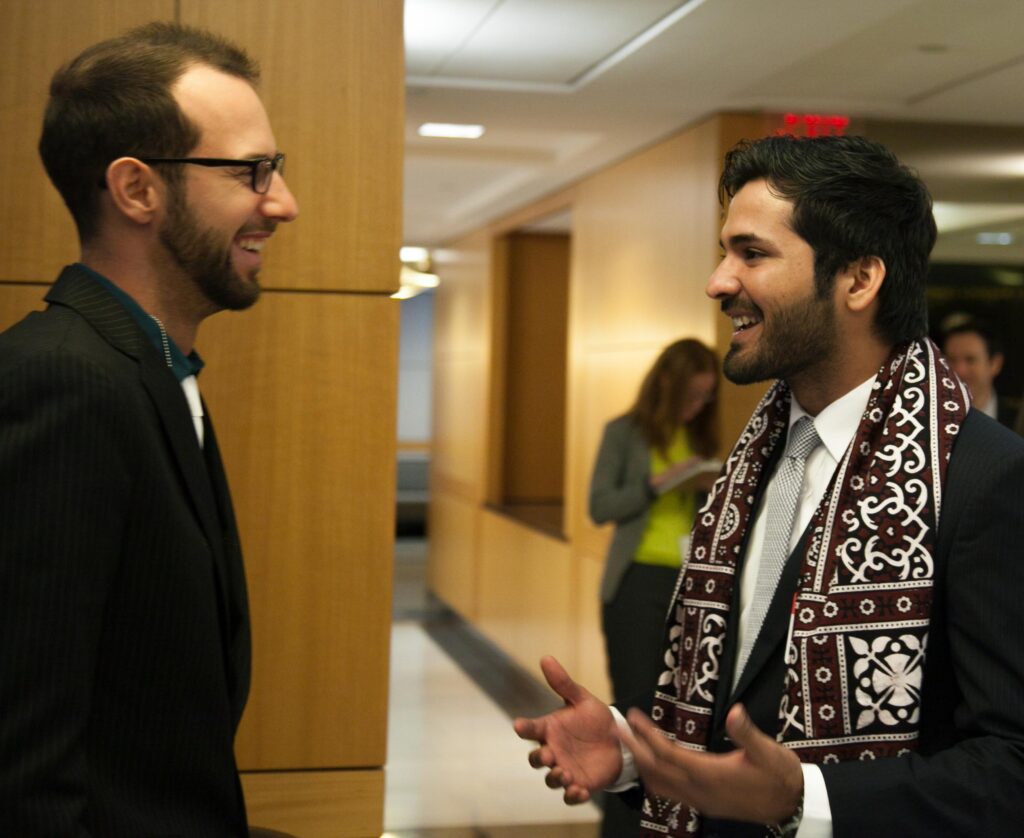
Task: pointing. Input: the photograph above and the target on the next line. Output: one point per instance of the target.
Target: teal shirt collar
(181, 365)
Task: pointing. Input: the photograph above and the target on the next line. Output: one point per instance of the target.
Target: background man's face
(968, 355)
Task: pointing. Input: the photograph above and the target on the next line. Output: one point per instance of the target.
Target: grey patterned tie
(780, 508)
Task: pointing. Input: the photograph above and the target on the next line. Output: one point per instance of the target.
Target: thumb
(746, 735)
(558, 679)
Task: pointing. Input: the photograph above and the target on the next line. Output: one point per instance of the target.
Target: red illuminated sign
(813, 124)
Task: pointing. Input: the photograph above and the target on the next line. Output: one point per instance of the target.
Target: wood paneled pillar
(302, 387)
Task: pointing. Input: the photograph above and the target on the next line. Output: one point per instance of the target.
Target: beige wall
(643, 242)
(302, 387)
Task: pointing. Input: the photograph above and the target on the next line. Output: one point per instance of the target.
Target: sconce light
(415, 276)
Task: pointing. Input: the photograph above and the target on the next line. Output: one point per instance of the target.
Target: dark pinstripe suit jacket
(124, 630)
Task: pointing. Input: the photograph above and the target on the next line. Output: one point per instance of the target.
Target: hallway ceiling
(564, 87)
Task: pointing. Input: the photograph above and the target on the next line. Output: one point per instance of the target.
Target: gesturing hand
(760, 781)
(577, 742)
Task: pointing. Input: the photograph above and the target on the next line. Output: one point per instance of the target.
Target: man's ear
(135, 189)
(864, 278)
(996, 364)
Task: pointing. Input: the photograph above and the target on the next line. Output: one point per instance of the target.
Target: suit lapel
(776, 622)
(240, 640)
(76, 290)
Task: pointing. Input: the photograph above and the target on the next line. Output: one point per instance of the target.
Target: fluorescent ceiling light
(451, 130)
(994, 238)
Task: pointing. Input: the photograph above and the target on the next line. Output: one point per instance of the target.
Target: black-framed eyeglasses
(262, 169)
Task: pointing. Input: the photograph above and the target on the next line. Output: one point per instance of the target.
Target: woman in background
(670, 429)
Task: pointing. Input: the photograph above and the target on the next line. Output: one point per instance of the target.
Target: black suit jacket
(968, 778)
(124, 632)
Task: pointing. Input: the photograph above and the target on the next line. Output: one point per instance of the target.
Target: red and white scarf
(864, 594)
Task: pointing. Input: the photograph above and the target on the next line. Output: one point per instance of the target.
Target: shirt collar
(181, 365)
(837, 424)
(992, 408)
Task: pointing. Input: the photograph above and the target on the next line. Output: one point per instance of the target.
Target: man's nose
(722, 283)
(279, 203)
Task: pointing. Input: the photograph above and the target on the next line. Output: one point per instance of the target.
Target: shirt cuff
(628, 776)
(817, 818)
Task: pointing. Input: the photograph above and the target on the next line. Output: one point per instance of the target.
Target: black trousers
(634, 628)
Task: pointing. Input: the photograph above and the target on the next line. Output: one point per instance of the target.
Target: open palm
(578, 742)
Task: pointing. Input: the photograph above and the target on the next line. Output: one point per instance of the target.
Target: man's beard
(201, 255)
(792, 340)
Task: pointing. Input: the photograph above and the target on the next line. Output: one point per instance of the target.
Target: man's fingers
(529, 729)
(558, 778)
(574, 795)
(648, 740)
(558, 679)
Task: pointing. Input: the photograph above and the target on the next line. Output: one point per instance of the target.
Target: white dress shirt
(836, 426)
(195, 404)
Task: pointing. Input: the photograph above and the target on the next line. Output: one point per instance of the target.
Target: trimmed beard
(200, 254)
(792, 340)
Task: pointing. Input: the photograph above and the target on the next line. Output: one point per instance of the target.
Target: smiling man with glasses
(261, 170)
(124, 627)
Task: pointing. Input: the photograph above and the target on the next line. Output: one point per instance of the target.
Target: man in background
(839, 656)
(124, 626)
(976, 355)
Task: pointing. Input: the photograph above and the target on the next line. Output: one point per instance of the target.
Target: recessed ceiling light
(451, 129)
(994, 238)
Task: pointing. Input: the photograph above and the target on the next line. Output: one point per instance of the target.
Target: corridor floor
(455, 768)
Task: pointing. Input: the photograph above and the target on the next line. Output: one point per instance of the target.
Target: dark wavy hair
(659, 404)
(851, 198)
(114, 100)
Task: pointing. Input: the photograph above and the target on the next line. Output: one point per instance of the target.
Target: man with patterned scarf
(843, 654)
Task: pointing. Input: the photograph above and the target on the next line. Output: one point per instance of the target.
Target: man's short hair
(974, 326)
(114, 100)
(851, 198)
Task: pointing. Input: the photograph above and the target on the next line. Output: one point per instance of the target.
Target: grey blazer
(619, 492)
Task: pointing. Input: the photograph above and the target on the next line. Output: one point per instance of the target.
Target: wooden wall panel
(644, 234)
(591, 663)
(37, 37)
(453, 550)
(526, 583)
(641, 252)
(317, 804)
(462, 366)
(605, 385)
(18, 300)
(333, 84)
(302, 390)
(535, 368)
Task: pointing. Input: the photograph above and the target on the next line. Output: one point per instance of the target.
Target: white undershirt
(195, 404)
(836, 426)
